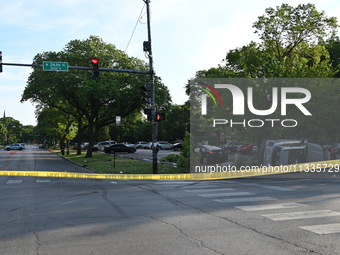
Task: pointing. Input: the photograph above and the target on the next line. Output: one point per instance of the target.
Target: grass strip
(104, 163)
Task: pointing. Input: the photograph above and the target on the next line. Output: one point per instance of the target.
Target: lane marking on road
(42, 181)
(208, 190)
(244, 199)
(231, 194)
(257, 171)
(172, 183)
(265, 186)
(270, 187)
(69, 202)
(270, 206)
(323, 229)
(14, 181)
(301, 215)
(200, 187)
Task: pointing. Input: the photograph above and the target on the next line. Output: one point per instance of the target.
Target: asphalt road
(272, 215)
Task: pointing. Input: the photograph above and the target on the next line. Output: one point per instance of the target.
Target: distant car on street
(232, 146)
(15, 146)
(142, 145)
(177, 146)
(102, 145)
(246, 148)
(84, 145)
(212, 154)
(129, 144)
(164, 145)
(119, 147)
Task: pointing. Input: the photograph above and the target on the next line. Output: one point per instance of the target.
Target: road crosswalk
(251, 202)
(246, 197)
(19, 181)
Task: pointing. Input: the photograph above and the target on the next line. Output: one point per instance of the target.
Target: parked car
(101, 145)
(232, 146)
(42, 146)
(15, 146)
(212, 154)
(129, 144)
(177, 146)
(245, 148)
(164, 145)
(84, 145)
(335, 151)
(142, 145)
(119, 147)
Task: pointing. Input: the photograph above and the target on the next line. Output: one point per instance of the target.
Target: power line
(138, 20)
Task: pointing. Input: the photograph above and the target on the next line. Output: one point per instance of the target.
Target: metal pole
(153, 101)
(85, 68)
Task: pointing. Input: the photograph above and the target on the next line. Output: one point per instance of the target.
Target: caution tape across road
(331, 166)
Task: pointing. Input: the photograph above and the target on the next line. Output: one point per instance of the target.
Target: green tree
(54, 125)
(95, 103)
(176, 123)
(295, 42)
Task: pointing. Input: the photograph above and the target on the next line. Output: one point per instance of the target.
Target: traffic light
(146, 94)
(160, 116)
(148, 114)
(0, 61)
(95, 68)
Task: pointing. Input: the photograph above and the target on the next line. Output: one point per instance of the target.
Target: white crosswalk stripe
(301, 215)
(323, 229)
(42, 181)
(208, 190)
(270, 206)
(244, 199)
(20, 181)
(14, 181)
(226, 194)
(200, 187)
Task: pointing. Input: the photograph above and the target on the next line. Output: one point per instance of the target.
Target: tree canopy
(294, 42)
(93, 103)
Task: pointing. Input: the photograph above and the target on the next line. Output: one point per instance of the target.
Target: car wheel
(8, 149)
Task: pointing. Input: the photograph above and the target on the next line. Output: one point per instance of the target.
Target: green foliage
(92, 103)
(295, 42)
(176, 123)
(171, 158)
(292, 45)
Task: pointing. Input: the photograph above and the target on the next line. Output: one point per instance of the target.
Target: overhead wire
(134, 29)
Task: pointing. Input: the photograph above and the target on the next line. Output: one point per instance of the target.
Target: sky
(187, 36)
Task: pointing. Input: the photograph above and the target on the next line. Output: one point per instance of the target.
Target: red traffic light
(95, 68)
(160, 116)
(95, 61)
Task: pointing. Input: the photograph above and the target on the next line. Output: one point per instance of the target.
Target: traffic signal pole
(154, 124)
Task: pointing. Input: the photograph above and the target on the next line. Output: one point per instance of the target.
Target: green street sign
(55, 66)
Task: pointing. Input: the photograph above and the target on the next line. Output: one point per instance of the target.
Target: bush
(171, 158)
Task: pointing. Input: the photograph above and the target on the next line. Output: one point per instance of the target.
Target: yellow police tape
(329, 167)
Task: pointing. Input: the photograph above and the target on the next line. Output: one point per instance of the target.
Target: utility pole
(147, 47)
